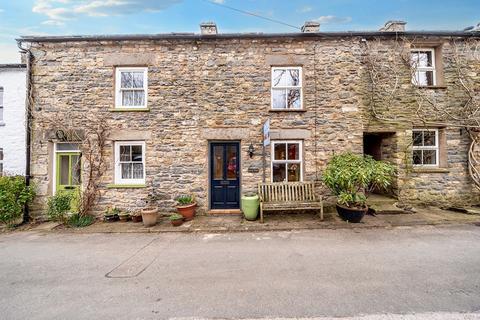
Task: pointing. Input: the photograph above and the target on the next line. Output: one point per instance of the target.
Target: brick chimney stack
(311, 27)
(394, 26)
(208, 28)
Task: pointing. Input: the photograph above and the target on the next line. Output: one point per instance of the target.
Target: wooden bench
(280, 196)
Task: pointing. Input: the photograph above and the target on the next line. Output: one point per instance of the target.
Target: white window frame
(300, 87)
(421, 69)
(118, 87)
(2, 98)
(118, 168)
(436, 147)
(286, 161)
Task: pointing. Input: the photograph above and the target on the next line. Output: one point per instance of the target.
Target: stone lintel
(129, 59)
(129, 135)
(225, 133)
(290, 134)
(285, 60)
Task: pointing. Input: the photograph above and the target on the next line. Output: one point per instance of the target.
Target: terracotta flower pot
(124, 217)
(188, 211)
(177, 223)
(137, 218)
(353, 215)
(149, 216)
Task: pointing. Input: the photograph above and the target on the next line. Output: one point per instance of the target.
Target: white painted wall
(12, 127)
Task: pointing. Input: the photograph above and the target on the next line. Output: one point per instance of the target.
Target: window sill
(287, 110)
(130, 110)
(432, 87)
(126, 186)
(430, 170)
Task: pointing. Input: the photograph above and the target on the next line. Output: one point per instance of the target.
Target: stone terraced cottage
(185, 112)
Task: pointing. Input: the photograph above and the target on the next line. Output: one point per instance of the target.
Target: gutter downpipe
(28, 54)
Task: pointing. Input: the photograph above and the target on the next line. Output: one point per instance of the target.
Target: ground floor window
(130, 162)
(287, 161)
(425, 147)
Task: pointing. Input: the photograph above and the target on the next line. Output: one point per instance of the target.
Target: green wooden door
(68, 171)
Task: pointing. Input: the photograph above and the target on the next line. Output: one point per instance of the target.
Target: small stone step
(387, 209)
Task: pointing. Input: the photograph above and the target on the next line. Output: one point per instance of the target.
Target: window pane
(424, 78)
(278, 172)
(232, 162)
(76, 170)
(137, 153)
(137, 79)
(279, 78)
(67, 146)
(417, 138)
(293, 77)
(125, 153)
(293, 151)
(218, 162)
(128, 98)
(1, 154)
(429, 138)
(126, 170)
(280, 151)
(425, 59)
(293, 172)
(138, 98)
(64, 169)
(417, 156)
(278, 98)
(137, 170)
(1, 96)
(293, 99)
(126, 80)
(429, 157)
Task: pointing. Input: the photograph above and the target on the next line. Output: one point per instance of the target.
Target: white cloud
(60, 11)
(219, 1)
(305, 9)
(333, 20)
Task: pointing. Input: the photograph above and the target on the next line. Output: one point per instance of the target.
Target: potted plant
(176, 219)
(150, 212)
(350, 177)
(186, 206)
(124, 216)
(136, 216)
(111, 214)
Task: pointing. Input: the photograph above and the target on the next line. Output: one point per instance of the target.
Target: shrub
(14, 195)
(59, 205)
(185, 200)
(176, 216)
(78, 221)
(350, 176)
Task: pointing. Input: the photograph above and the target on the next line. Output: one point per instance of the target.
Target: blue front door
(224, 175)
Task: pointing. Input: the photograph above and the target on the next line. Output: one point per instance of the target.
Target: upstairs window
(131, 88)
(425, 147)
(1, 104)
(286, 88)
(423, 67)
(287, 161)
(130, 162)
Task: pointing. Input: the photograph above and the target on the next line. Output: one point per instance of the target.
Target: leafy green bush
(59, 205)
(176, 216)
(185, 200)
(78, 221)
(350, 176)
(14, 195)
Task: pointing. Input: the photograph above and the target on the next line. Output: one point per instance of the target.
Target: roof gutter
(193, 36)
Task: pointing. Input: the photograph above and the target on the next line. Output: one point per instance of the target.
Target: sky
(67, 17)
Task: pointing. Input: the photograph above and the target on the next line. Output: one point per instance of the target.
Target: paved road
(424, 272)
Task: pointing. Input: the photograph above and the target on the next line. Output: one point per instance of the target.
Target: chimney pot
(394, 26)
(311, 27)
(208, 28)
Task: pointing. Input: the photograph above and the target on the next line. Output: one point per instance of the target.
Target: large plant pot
(250, 204)
(149, 216)
(188, 211)
(176, 223)
(351, 214)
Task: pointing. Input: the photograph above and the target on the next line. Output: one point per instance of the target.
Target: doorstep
(224, 211)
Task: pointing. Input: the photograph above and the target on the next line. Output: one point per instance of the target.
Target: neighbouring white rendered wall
(12, 127)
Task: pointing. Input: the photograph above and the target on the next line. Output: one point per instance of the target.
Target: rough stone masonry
(204, 88)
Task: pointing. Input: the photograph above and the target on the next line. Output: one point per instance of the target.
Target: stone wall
(218, 89)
